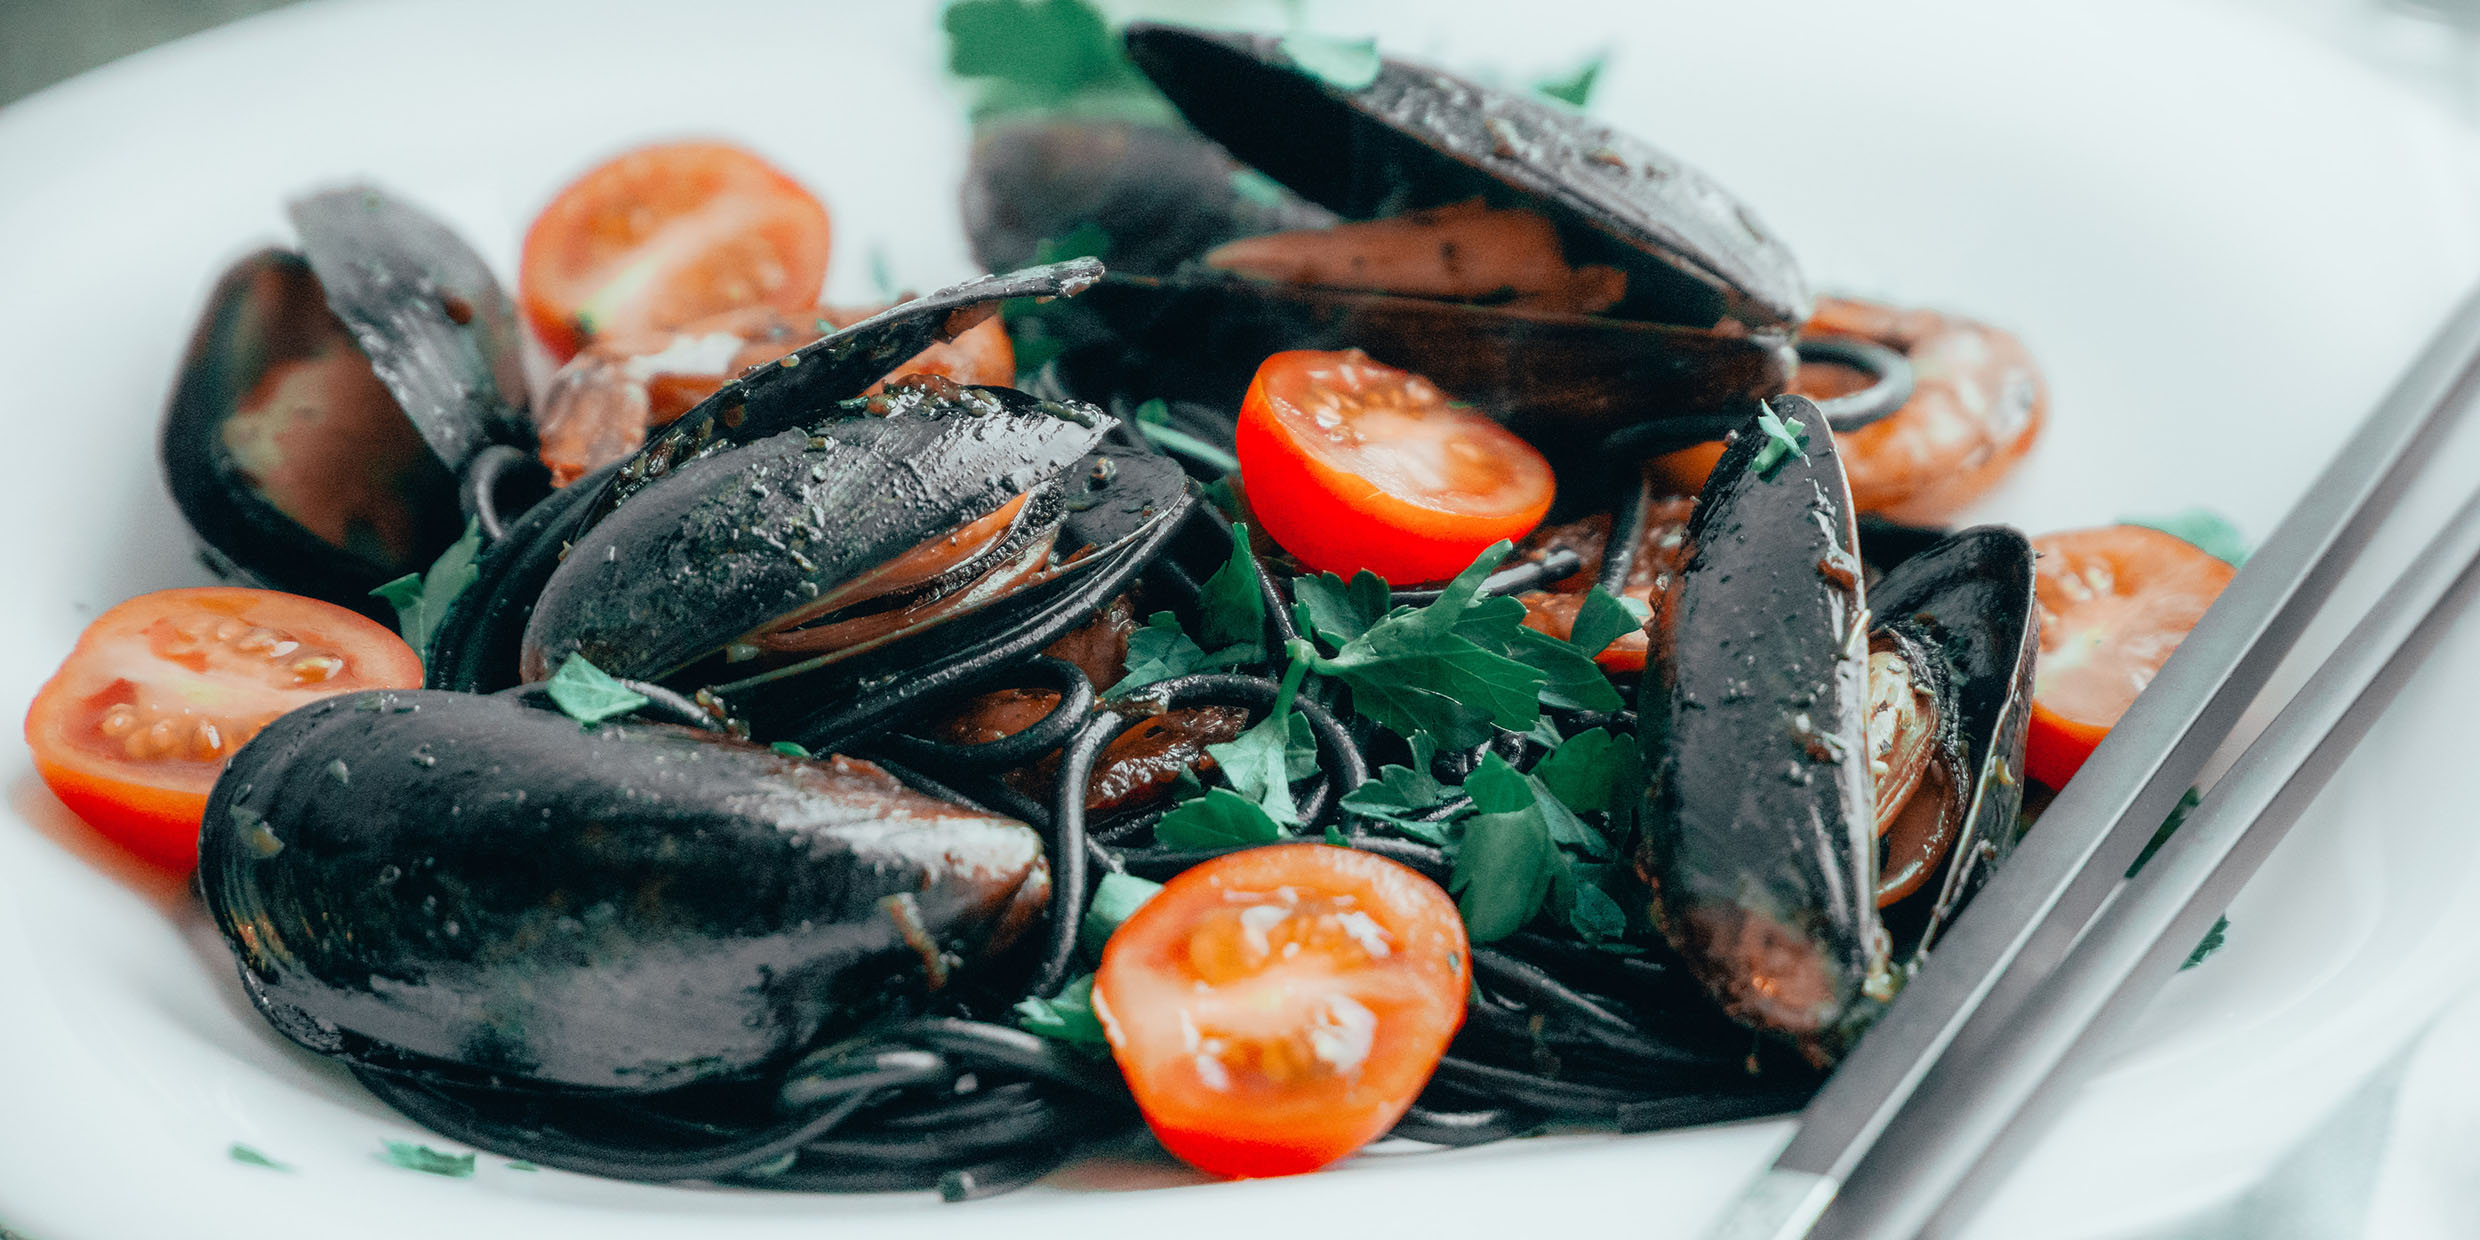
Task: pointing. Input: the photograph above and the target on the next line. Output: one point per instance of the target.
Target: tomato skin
(667, 234)
(213, 664)
(2114, 603)
(1261, 1046)
(1338, 499)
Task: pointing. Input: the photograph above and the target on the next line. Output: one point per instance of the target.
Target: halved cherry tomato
(1278, 1008)
(667, 234)
(1353, 464)
(133, 729)
(2114, 602)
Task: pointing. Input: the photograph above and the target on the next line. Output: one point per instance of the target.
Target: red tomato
(667, 234)
(133, 729)
(2114, 603)
(1352, 464)
(1276, 1009)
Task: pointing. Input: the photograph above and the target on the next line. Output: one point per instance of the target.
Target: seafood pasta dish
(1394, 610)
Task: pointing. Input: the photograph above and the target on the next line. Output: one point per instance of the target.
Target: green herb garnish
(2211, 943)
(1345, 64)
(1159, 651)
(1575, 88)
(588, 694)
(1592, 771)
(1115, 897)
(1605, 618)
(1067, 1018)
(413, 1156)
(1045, 55)
(790, 749)
(1325, 606)
(1262, 762)
(421, 599)
(1231, 611)
(1221, 818)
(1783, 440)
(1442, 668)
(1399, 796)
(244, 1154)
(1570, 680)
(1506, 862)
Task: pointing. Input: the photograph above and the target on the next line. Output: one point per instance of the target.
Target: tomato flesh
(1278, 1008)
(1352, 464)
(160, 691)
(2114, 603)
(665, 235)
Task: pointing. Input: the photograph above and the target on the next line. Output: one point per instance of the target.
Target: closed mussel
(436, 881)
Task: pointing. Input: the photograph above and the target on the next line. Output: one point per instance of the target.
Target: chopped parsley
(245, 1155)
(1444, 668)
(1605, 618)
(1159, 651)
(422, 599)
(1231, 610)
(1593, 772)
(2211, 943)
(1221, 818)
(790, 749)
(588, 694)
(1045, 56)
(1507, 861)
(1409, 801)
(1783, 440)
(414, 1156)
(1115, 897)
(1262, 762)
(1576, 87)
(1067, 1018)
(1327, 607)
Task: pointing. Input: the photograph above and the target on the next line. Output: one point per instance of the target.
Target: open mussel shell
(1560, 379)
(292, 462)
(469, 886)
(1965, 609)
(1758, 840)
(807, 383)
(1159, 193)
(791, 527)
(1416, 137)
(426, 311)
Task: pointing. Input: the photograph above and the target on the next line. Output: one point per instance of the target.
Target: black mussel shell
(807, 383)
(1416, 137)
(436, 881)
(1563, 380)
(291, 461)
(1967, 605)
(735, 542)
(1160, 194)
(1759, 834)
(427, 313)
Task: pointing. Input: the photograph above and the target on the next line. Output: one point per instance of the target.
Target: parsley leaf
(2161, 834)
(588, 694)
(791, 749)
(1159, 651)
(421, 599)
(1231, 612)
(1221, 818)
(1605, 618)
(1345, 64)
(244, 1154)
(1592, 771)
(1067, 1018)
(2206, 530)
(1570, 680)
(413, 1156)
(1043, 55)
(1420, 669)
(1782, 442)
(1591, 912)
(1398, 796)
(1324, 605)
(1115, 897)
(1262, 762)
(1507, 862)
(2211, 943)
(1577, 87)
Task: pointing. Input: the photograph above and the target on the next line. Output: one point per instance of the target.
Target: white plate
(2221, 241)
